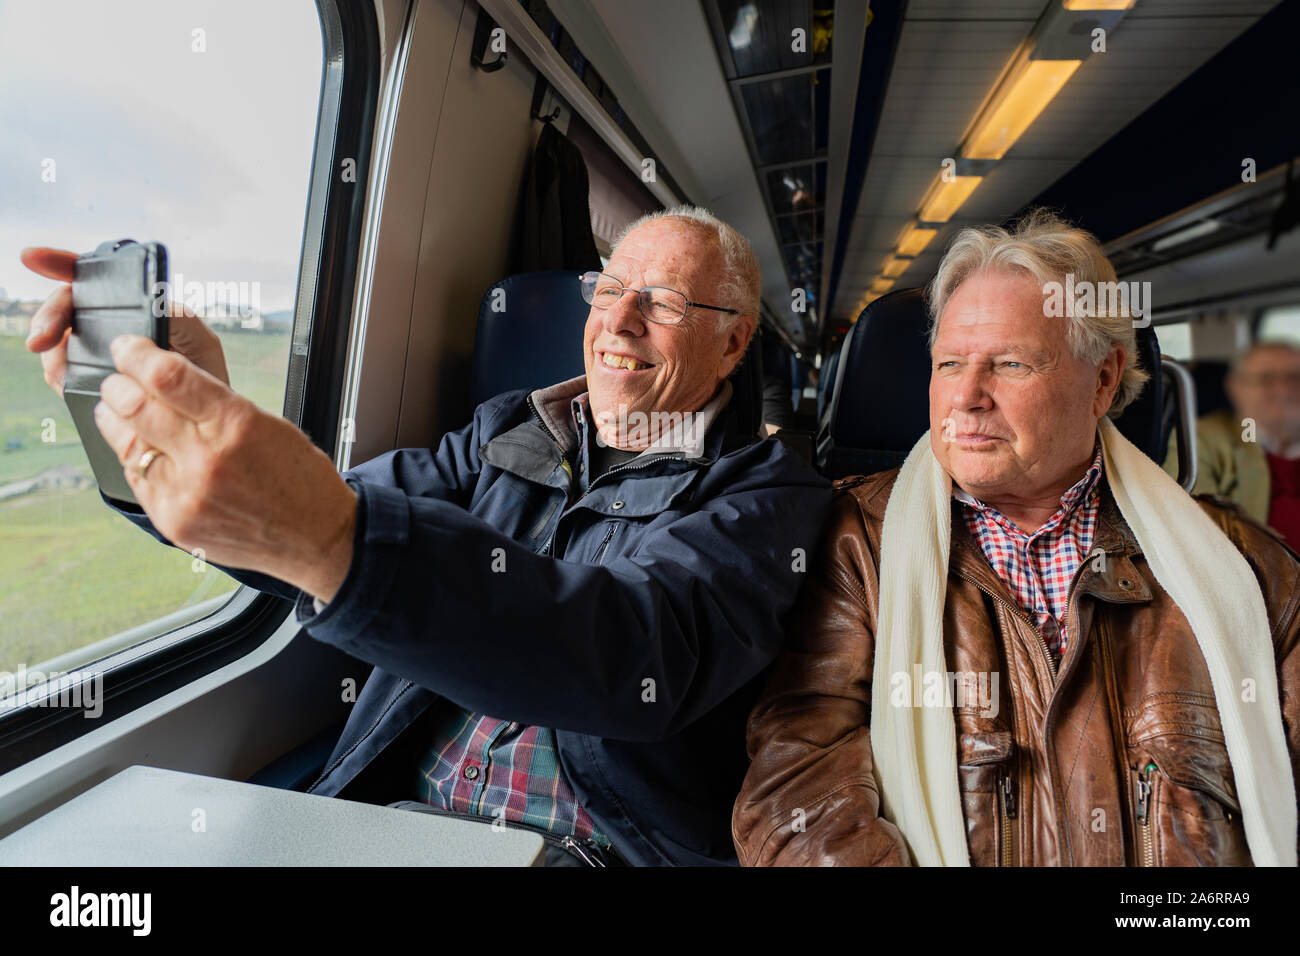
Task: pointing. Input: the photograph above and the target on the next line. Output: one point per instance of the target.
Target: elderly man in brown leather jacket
(1028, 646)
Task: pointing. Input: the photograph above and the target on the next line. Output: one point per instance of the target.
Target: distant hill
(281, 321)
(275, 323)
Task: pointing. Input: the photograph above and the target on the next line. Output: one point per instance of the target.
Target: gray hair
(1043, 245)
(742, 283)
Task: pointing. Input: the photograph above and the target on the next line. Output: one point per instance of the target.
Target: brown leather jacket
(1117, 760)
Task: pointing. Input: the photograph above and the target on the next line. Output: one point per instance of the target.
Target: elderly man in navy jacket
(566, 604)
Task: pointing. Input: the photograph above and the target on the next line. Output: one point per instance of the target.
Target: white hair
(1043, 245)
(742, 283)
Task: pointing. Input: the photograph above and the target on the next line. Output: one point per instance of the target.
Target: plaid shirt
(486, 766)
(1038, 568)
(492, 767)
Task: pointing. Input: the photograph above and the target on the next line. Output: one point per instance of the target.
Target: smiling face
(1013, 414)
(638, 366)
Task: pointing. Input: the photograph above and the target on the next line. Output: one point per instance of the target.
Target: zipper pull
(569, 843)
(1144, 794)
(1009, 796)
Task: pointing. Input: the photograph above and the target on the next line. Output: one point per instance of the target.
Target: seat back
(747, 389)
(1143, 422)
(879, 405)
(826, 383)
(530, 333)
(1208, 379)
(798, 379)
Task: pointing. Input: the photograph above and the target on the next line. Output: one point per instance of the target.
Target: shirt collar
(685, 435)
(1079, 491)
(1288, 452)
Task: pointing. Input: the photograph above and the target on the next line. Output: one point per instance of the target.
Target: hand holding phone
(118, 289)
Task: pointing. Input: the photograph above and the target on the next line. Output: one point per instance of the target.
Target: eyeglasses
(658, 305)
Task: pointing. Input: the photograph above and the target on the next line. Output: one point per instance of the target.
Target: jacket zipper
(541, 421)
(1021, 616)
(1146, 844)
(628, 467)
(546, 519)
(1007, 789)
(1007, 806)
(604, 545)
(582, 851)
(1047, 654)
(588, 850)
(378, 720)
(546, 548)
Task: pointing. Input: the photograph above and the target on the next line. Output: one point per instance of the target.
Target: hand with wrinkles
(246, 487)
(187, 333)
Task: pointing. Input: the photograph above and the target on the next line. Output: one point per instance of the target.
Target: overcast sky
(208, 153)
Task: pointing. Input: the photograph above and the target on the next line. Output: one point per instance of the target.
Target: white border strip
(389, 101)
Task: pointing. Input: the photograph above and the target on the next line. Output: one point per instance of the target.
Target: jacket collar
(692, 437)
(1112, 575)
(552, 406)
(538, 448)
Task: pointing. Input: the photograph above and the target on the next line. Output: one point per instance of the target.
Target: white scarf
(915, 748)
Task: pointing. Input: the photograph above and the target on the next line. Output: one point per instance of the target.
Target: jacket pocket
(986, 775)
(611, 529)
(1186, 811)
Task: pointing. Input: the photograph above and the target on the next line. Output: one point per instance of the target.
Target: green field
(72, 571)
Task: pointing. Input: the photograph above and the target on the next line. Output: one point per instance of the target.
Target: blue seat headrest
(879, 403)
(529, 333)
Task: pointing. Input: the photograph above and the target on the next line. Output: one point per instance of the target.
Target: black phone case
(119, 289)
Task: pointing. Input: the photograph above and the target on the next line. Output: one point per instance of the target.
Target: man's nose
(970, 392)
(624, 316)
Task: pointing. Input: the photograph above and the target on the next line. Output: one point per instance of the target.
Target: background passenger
(1251, 452)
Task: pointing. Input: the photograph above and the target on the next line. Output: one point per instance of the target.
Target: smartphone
(119, 289)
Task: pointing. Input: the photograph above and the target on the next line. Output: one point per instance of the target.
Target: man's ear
(1109, 376)
(738, 336)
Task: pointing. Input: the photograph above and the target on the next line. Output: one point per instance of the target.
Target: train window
(189, 123)
(1281, 322)
(1175, 340)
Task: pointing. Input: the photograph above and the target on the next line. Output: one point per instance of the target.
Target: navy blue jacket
(635, 620)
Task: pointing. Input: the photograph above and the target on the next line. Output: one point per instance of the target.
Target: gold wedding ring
(147, 459)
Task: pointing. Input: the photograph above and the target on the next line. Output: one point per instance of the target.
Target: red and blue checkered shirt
(491, 767)
(1037, 568)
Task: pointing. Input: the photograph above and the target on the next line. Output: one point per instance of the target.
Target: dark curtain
(777, 382)
(555, 220)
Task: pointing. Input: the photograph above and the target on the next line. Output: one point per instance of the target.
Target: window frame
(1257, 318)
(135, 676)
